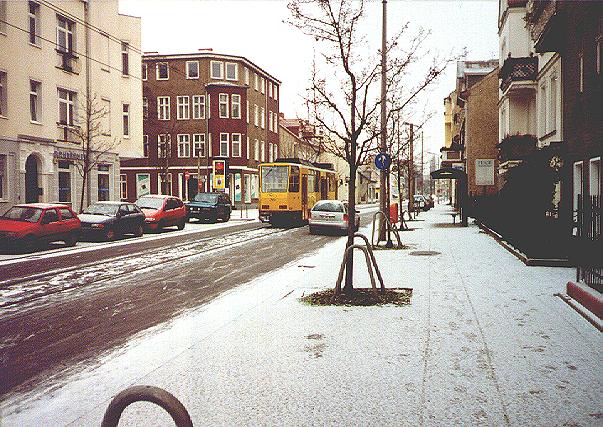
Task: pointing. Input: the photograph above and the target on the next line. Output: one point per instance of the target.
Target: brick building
(199, 108)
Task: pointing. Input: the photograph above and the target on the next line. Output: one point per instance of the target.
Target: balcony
(68, 61)
(544, 18)
(518, 70)
(515, 148)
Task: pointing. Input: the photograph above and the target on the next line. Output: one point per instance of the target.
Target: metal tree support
(146, 393)
(389, 224)
(346, 254)
(370, 251)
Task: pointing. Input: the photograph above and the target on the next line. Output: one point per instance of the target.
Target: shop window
(103, 182)
(64, 182)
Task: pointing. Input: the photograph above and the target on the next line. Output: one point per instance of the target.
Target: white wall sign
(484, 172)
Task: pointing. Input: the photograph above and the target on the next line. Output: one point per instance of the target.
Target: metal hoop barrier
(146, 393)
(346, 254)
(390, 227)
(372, 255)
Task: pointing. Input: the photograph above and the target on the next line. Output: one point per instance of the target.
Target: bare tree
(346, 88)
(91, 129)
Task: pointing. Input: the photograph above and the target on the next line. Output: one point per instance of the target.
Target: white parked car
(331, 215)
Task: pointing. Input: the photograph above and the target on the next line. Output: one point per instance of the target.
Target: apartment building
(201, 111)
(70, 99)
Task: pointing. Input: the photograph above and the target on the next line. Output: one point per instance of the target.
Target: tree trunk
(84, 182)
(349, 268)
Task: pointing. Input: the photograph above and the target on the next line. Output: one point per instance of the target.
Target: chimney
(206, 49)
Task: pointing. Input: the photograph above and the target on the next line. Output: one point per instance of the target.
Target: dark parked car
(26, 226)
(209, 206)
(108, 220)
(162, 211)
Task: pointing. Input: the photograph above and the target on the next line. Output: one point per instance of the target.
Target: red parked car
(26, 226)
(162, 211)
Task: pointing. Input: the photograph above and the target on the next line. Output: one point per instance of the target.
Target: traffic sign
(383, 161)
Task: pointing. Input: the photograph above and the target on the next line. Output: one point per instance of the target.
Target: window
(270, 89)
(223, 102)
(144, 72)
(256, 115)
(247, 104)
(145, 108)
(236, 145)
(263, 150)
(275, 152)
(3, 182)
(543, 110)
(123, 187)
(217, 70)
(34, 21)
(263, 85)
(577, 183)
(294, 179)
(184, 145)
(275, 125)
(276, 92)
(594, 172)
(270, 120)
(65, 31)
(34, 101)
(125, 59)
(263, 118)
(235, 107)
(224, 144)
(164, 146)
(552, 111)
(183, 111)
(247, 148)
(145, 145)
(256, 81)
(256, 150)
(162, 71)
(199, 145)
(2, 20)
(247, 76)
(192, 69)
(270, 152)
(103, 182)
(126, 120)
(3, 94)
(163, 107)
(581, 71)
(198, 107)
(66, 214)
(66, 107)
(232, 71)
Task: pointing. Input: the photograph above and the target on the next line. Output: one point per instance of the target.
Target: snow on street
(484, 342)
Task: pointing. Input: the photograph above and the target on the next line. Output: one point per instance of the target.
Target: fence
(588, 248)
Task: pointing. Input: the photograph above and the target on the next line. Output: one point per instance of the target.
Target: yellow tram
(290, 187)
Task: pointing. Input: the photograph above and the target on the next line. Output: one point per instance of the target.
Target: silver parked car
(331, 215)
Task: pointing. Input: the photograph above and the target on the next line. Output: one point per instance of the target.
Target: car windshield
(101, 209)
(328, 206)
(206, 198)
(149, 203)
(275, 179)
(23, 213)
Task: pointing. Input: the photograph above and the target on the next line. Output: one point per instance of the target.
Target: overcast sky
(255, 29)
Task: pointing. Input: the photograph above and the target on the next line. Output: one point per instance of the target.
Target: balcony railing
(518, 69)
(516, 147)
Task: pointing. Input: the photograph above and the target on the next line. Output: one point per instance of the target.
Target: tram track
(23, 290)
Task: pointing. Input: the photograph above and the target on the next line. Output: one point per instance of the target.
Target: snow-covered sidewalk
(484, 342)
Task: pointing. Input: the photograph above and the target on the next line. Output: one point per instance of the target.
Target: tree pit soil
(360, 297)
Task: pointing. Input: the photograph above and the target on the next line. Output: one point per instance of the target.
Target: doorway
(32, 186)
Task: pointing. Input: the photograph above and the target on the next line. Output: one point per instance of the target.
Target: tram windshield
(275, 179)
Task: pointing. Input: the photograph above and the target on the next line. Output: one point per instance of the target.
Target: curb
(530, 262)
(587, 297)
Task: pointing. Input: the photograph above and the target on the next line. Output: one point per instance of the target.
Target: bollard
(146, 393)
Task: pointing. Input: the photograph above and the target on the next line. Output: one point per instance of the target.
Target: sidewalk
(484, 342)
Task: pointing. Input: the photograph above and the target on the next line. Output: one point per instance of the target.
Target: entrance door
(32, 190)
(304, 196)
(193, 187)
(247, 188)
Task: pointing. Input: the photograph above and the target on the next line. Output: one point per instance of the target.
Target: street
(73, 307)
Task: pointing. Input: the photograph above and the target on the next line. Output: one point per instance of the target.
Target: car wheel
(110, 235)
(139, 231)
(181, 224)
(160, 226)
(71, 240)
(227, 216)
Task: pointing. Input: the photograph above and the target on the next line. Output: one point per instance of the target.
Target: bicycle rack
(389, 224)
(372, 255)
(346, 254)
(145, 393)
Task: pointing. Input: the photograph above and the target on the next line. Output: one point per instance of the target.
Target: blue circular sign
(383, 161)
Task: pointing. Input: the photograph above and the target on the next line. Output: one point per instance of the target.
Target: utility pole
(410, 173)
(422, 167)
(383, 146)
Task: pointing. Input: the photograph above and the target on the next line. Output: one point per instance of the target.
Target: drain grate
(424, 253)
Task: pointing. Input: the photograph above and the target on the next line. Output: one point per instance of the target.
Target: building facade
(69, 80)
(200, 108)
